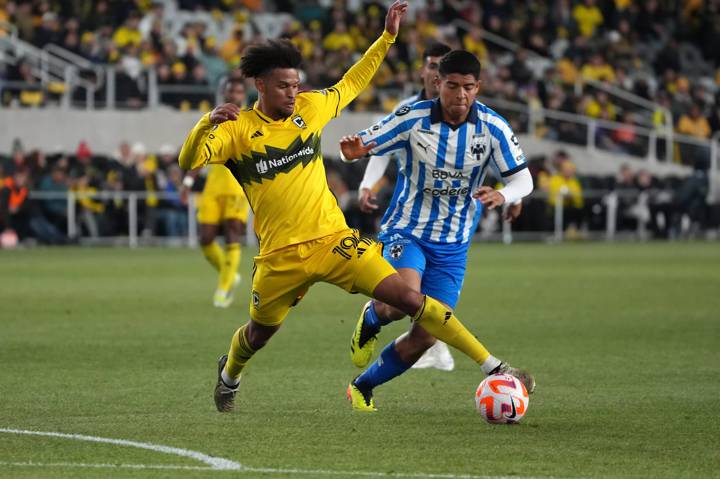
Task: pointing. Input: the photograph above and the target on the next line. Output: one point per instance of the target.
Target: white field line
(259, 470)
(213, 462)
(106, 466)
(216, 463)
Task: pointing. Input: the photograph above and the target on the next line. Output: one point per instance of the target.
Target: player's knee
(410, 301)
(258, 335)
(206, 239)
(233, 231)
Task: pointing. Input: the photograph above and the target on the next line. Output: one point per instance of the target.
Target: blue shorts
(441, 266)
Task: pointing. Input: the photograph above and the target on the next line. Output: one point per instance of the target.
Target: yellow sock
(240, 353)
(439, 321)
(229, 266)
(214, 254)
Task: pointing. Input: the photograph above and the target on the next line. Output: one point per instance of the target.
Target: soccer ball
(501, 399)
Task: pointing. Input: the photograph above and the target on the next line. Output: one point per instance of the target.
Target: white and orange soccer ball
(501, 399)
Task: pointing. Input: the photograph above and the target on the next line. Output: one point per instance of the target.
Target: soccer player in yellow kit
(222, 203)
(273, 150)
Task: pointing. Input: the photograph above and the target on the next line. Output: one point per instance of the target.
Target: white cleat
(223, 299)
(438, 356)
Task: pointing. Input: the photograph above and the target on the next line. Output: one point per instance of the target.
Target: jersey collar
(266, 118)
(436, 112)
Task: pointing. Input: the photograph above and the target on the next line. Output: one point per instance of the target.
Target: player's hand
(395, 13)
(489, 197)
(352, 147)
(223, 113)
(367, 201)
(512, 212)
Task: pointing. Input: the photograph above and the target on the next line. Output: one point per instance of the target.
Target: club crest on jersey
(477, 145)
(396, 251)
(299, 122)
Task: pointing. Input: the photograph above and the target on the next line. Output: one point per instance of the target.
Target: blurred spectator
(696, 125)
(588, 17)
(598, 69)
(565, 185)
(173, 214)
(56, 182)
(19, 215)
(128, 33)
(91, 208)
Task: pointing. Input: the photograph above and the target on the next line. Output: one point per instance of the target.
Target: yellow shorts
(281, 278)
(215, 209)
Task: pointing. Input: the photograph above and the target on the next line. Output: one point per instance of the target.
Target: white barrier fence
(136, 207)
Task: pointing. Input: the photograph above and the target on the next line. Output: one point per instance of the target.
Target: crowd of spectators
(101, 185)
(34, 189)
(662, 51)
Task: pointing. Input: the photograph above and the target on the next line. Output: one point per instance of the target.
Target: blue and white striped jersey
(439, 167)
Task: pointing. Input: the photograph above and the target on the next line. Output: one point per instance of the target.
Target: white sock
(230, 382)
(490, 363)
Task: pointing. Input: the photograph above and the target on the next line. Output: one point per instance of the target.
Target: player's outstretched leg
(229, 277)
(395, 359)
(440, 322)
(373, 317)
(364, 337)
(246, 341)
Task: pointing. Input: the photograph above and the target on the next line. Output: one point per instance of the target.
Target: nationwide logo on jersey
(261, 166)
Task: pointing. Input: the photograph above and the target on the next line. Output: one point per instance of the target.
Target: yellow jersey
(220, 182)
(279, 163)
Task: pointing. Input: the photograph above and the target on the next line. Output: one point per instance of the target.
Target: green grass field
(624, 340)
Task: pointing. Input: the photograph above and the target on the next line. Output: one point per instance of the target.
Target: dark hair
(232, 81)
(436, 49)
(263, 57)
(460, 61)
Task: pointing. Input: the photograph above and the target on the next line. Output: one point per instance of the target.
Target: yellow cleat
(362, 343)
(360, 401)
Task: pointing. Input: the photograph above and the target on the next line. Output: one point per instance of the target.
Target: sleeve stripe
(390, 134)
(209, 151)
(396, 146)
(385, 137)
(337, 107)
(519, 167)
(504, 146)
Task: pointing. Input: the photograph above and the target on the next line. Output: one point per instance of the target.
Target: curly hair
(261, 58)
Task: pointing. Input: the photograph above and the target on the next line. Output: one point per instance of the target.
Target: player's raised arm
(210, 140)
(359, 75)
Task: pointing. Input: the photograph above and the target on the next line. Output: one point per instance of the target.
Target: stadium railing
(602, 226)
(649, 144)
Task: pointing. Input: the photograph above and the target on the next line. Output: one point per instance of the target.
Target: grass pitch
(624, 340)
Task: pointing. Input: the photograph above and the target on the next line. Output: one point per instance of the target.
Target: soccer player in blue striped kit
(444, 148)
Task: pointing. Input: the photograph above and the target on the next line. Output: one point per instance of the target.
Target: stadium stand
(638, 79)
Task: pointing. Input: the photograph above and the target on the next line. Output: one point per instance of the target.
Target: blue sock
(372, 320)
(387, 366)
